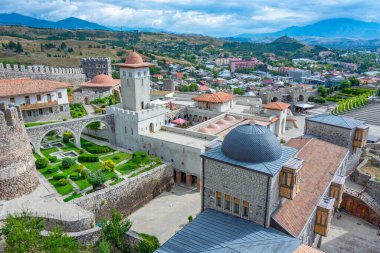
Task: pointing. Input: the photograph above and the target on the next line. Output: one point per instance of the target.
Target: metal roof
(268, 168)
(339, 121)
(251, 143)
(216, 232)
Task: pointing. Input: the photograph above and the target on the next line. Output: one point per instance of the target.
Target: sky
(219, 18)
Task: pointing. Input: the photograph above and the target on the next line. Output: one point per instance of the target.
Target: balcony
(38, 105)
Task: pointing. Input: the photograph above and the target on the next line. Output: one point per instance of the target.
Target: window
(50, 110)
(144, 73)
(61, 108)
(218, 199)
(138, 74)
(124, 73)
(286, 179)
(97, 65)
(59, 94)
(12, 100)
(29, 113)
(130, 74)
(38, 97)
(227, 202)
(27, 100)
(40, 111)
(245, 209)
(236, 206)
(104, 65)
(321, 218)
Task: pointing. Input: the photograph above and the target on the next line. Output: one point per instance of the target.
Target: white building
(220, 101)
(39, 100)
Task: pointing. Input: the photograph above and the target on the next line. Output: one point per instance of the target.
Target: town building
(40, 100)
(298, 75)
(236, 65)
(226, 61)
(219, 101)
(289, 190)
(99, 86)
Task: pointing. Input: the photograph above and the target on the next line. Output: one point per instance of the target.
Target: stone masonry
(18, 175)
(95, 66)
(73, 76)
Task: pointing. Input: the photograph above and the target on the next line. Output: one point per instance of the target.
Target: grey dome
(251, 143)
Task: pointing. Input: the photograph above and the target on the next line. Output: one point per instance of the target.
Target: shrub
(98, 149)
(59, 176)
(42, 163)
(67, 136)
(74, 176)
(63, 182)
(108, 166)
(149, 243)
(190, 218)
(85, 172)
(67, 163)
(53, 159)
(79, 168)
(88, 158)
(96, 178)
(52, 170)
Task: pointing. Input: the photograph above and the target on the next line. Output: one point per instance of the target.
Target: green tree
(59, 242)
(19, 48)
(96, 178)
(113, 230)
(108, 166)
(63, 46)
(345, 84)
(22, 233)
(322, 90)
(238, 91)
(94, 125)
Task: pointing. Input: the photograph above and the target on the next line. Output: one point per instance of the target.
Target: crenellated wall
(73, 76)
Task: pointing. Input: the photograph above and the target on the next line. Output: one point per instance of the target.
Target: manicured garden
(95, 165)
(77, 110)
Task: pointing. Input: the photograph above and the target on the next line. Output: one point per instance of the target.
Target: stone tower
(18, 175)
(135, 82)
(96, 66)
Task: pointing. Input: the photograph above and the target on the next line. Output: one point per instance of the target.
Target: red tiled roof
(306, 249)
(321, 162)
(277, 106)
(101, 80)
(134, 60)
(219, 97)
(25, 86)
(203, 88)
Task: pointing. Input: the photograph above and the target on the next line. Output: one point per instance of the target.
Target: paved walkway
(89, 109)
(167, 213)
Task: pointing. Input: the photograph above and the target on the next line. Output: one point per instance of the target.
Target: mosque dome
(134, 58)
(251, 143)
(230, 118)
(221, 122)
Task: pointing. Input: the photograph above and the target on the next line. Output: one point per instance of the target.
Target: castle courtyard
(350, 234)
(167, 213)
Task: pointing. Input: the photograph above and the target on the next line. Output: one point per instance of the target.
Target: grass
(138, 161)
(47, 174)
(117, 157)
(92, 166)
(70, 147)
(77, 110)
(63, 190)
(52, 138)
(32, 124)
(48, 151)
(120, 179)
(82, 184)
(111, 175)
(85, 144)
(73, 196)
(36, 155)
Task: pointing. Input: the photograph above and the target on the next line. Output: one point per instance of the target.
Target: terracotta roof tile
(306, 249)
(277, 106)
(321, 162)
(134, 60)
(219, 97)
(101, 81)
(25, 86)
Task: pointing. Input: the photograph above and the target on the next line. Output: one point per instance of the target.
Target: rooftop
(26, 86)
(179, 138)
(339, 121)
(277, 106)
(218, 97)
(101, 81)
(321, 162)
(216, 232)
(134, 60)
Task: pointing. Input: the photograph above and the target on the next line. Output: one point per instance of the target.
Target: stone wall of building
(46, 115)
(86, 95)
(73, 76)
(129, 195)
(95, 66)
(18, 175)
(373, 189)
(241, 183)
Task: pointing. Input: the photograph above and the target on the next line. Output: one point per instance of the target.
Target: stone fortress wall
(18, 175)
(73, 76)
(97, 65)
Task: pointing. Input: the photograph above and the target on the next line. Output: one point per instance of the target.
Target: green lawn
(82, 184)
(88, 145)
(63, 190)
(45, 171)
(120, 179)
(36, 155)
(77, 110)
(73, 196)
(48, 151)
(32, 124)
(111, 175)
(92, 166)
(117, 157)
(138, 162)
(71, 147)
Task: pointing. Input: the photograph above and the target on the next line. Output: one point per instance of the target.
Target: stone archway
(274, 99)
(108, 127)
(37, 146)
(151, 127)
(362, 212)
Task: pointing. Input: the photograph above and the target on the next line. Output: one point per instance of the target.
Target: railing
(38, 105)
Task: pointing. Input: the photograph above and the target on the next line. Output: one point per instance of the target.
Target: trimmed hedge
(53, 159)
(74, 176)
(98, 150)
(41, 163)
(63, 182)
(67, 163)
(59, 176)
(88, 158)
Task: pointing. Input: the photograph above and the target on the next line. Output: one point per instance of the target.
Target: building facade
(96, 66)
(39, 100)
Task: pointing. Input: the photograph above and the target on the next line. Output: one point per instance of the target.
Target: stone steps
(370, 114)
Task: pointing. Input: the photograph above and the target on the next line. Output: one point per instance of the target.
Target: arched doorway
(274, 99)
(301, 98)
(86, 100)
(362, 212)
(98, 130)
(151, 127)
(348, 204)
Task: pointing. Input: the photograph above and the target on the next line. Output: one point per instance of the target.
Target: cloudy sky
(210, 17)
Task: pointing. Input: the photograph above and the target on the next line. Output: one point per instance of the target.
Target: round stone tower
(18, 175)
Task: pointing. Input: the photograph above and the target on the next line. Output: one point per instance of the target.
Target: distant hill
(330, 28)
(68, 23)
